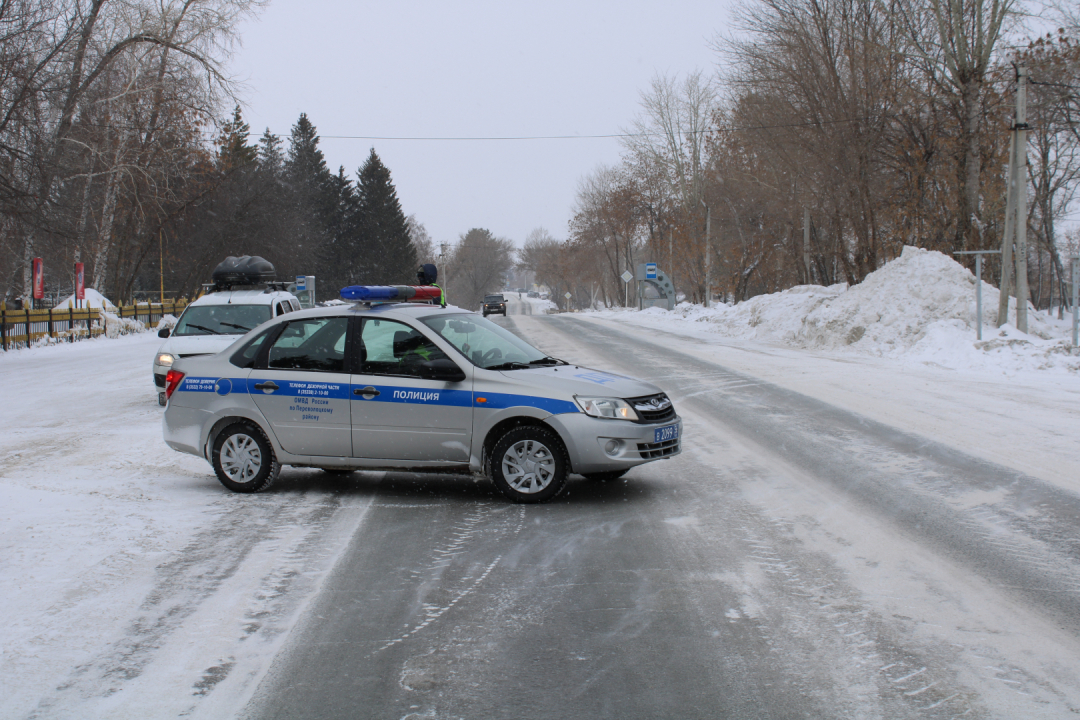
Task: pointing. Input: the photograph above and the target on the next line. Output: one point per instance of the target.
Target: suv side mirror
(442, 369)
(163, 332)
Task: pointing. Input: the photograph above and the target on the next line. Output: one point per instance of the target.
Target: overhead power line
(728, 128)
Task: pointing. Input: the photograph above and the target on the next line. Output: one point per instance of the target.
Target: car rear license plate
(666, 433)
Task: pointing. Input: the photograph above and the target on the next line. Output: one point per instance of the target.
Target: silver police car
(414, 388)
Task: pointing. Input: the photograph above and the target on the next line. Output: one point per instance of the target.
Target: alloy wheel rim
(528, 466)
(241, 458)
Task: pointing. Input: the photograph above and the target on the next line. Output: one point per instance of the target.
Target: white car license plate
(666, 433)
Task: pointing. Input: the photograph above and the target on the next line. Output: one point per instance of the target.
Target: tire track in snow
(277, 533)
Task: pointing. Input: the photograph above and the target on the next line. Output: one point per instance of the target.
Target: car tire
(243, 459)
(161, 400)
(529, 465)
(606, 476)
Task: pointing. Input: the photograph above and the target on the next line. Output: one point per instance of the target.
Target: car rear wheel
(606, 476)
(528, 464)
(243, 459)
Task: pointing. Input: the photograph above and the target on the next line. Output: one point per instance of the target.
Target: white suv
(214, 322)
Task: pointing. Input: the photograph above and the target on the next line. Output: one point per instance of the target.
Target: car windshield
(486, 344)
(493, 298)
(221, 319)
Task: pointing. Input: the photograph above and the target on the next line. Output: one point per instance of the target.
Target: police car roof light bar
(391, 293)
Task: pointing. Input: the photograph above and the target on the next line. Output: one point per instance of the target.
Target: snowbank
(919, 307)
(93, 299)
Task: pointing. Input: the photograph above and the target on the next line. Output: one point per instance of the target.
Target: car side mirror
(441, 369)
(163, 333)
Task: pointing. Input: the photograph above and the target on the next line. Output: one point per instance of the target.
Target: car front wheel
(528, 464)
(243, 459)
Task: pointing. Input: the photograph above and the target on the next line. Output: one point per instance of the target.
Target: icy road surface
(836, 540)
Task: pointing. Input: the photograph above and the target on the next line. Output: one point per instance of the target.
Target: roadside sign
(650, 271)
(80, 282)
(567, 295)
(39, 279)
(301, 282)
(627, 276)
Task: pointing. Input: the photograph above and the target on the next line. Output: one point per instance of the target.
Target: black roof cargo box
(243, 270)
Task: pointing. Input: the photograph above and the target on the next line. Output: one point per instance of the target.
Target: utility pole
(443, 267)
(161, 265)
(806, 244)
(1016, 213)
(1075, 296)
(708, 258)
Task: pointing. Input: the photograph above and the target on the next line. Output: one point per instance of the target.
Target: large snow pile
(93, 299)
(919, 307)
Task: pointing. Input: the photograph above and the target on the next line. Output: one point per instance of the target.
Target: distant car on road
(411, 388)
(494, 304)
(533, 294)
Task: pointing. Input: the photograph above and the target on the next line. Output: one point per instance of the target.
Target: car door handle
(268, 385)
(366, 391)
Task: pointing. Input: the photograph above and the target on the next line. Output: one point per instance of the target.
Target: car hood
(197, 344)
(575, 380)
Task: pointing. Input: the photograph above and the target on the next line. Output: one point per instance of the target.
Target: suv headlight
(605, 407)
(164, 360)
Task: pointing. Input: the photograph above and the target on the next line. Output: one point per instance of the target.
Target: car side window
(245, 357)
(388, 347)
(281, 309)
(311, 344)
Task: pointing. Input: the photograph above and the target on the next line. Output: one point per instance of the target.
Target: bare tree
(478, 265)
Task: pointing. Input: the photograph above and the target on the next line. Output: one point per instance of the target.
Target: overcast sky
(412, 69)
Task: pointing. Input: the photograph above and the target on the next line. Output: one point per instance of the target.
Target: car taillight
(172, 381)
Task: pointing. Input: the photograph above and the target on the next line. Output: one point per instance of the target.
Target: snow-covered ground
(919, 309)
(901, 348)
(119, 557)
(133, 584)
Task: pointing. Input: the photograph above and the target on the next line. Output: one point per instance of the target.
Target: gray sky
(478, 69)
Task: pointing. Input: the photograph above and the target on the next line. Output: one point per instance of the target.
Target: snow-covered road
(132, 583)
(842, 537)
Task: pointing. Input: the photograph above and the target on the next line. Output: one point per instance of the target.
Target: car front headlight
(605, 407)
(164, 360)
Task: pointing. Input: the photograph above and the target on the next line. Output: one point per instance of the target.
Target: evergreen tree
(313, 197)
(271, 159)
(344, 256)
(233, 149)
(383, 228)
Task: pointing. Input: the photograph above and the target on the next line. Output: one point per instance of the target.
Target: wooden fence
(21, 328)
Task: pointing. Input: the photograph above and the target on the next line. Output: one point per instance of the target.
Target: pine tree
(233, 149)
(271, 159)
(312, 197)
(390, 253)
(344, 256)
(306, 165)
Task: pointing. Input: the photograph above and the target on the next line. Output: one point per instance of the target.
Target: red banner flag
(39, 279)
(80, 283)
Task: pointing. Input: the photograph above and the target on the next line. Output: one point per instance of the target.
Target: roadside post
(1075, 293)
(626, 276)
(38, 288)
(978, 283)
(568, 295)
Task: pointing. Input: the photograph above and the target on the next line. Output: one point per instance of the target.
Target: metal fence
(22, 328)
